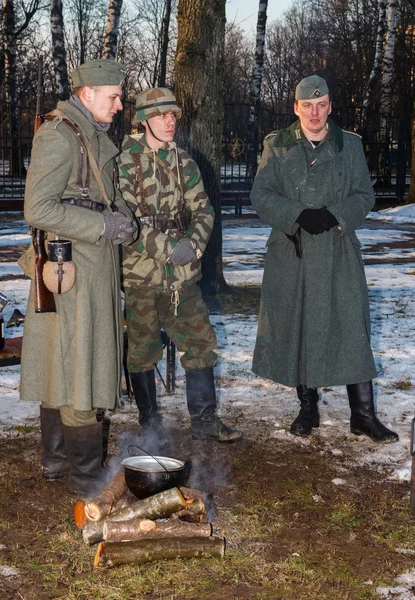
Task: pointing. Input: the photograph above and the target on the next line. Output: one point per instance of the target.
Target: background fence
(388, 159)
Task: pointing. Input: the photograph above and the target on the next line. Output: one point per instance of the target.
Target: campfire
(170, 524)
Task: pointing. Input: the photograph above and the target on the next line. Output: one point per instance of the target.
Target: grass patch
(403, 384)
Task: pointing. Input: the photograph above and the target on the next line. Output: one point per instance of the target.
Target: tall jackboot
(84, 450)
(308, 416)
(363, 420)
(201, 402)
(54, 462)
(144, 387)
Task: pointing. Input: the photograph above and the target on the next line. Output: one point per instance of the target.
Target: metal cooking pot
(148, 475)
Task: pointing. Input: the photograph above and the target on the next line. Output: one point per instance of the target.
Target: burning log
(102, 505)
(194, 511)
(191, 494)
(137, 529)
(79, 515)
(147, 550)
(159, 506)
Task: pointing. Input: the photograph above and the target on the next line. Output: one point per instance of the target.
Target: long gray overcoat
(314, 322)
(73, 357)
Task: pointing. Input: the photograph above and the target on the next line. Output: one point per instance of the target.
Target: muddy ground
(291, 532)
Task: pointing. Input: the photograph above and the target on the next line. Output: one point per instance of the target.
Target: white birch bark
(387, 89)
(111, 32)
(58, 49)
(256, 89)
(377, 62)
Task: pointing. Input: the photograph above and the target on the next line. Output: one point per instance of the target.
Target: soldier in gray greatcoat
(313, 187)
(71, 358)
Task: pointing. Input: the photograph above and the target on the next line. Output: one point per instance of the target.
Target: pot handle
(148, 454)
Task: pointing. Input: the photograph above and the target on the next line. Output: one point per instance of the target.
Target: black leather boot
(84, 450)
(54, 462)
(144, 387)
(308, 416)
(363, 420)
(201, 402)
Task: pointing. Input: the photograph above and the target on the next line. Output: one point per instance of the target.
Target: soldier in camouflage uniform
(163, 186)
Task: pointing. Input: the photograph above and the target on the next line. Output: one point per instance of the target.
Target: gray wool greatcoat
(314, 322)
(73, 357)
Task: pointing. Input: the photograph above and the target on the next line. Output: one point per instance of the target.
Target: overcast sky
(245, 12)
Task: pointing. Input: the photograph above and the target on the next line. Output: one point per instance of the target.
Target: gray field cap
(310, 88)
(99, 72)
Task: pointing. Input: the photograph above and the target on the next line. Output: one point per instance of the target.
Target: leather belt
(158, 223)
(85, 203)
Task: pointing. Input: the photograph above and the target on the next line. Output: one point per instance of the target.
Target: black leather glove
(118, 228)
(329, 220)
(183, 254)
(311, 220)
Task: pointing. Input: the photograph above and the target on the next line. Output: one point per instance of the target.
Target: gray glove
(184, 253)
(118, 228)
(127, 212)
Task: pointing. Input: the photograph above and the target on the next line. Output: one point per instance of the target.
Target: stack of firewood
(170, 524)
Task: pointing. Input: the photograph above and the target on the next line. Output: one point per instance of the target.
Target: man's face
(162, 126)
(313, 115)
(104, 102)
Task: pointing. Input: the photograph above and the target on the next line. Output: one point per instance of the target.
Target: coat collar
(287, 138)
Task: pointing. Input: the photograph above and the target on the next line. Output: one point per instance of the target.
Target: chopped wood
(137, 529)
(159, 506)
(147, 550)
(79, 515)
(92, 532)
(124, 531)
(102, 505)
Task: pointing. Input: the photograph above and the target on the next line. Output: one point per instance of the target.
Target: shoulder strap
(90, 159)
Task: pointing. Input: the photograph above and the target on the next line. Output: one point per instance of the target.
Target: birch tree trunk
(198, 75)
(377, 61)
(58, 49)
(256, 90)
(386, 102)
(111, 32)
(165, 26)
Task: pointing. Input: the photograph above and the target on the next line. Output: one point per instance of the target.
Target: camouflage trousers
(148, 310)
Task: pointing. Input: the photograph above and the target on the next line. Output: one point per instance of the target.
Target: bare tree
(12, 29)
(198, 77)
(58, 49)
(111, 32)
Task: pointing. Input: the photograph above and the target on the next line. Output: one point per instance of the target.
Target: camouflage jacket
(145, 261)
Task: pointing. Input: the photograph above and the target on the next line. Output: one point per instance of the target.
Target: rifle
(44, 301)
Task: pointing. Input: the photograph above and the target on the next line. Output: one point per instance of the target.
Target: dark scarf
(102, 127)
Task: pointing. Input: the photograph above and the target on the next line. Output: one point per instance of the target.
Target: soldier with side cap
(72, 358)
(313, 187)
(163, 186)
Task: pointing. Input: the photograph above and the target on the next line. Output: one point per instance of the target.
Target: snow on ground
(240, 392)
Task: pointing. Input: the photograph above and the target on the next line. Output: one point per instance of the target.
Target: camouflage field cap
(310, 88)
(154, 102)
(99, 72)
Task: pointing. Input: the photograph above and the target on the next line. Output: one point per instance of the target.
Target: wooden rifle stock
(43, 298)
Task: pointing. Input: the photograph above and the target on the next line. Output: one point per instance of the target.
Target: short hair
(78, 90)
